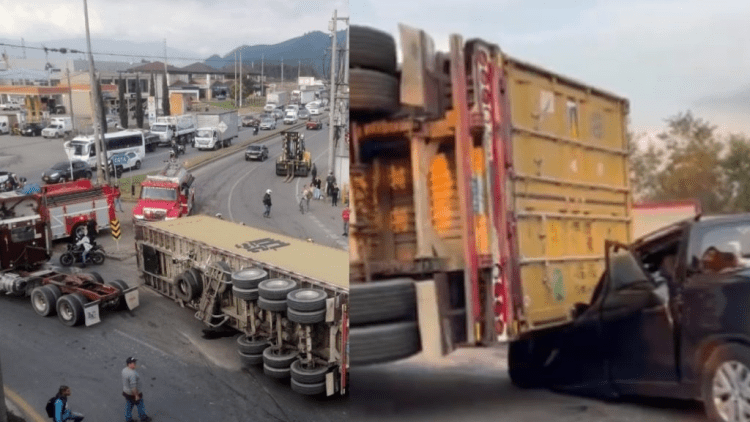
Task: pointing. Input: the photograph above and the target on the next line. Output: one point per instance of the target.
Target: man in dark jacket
(314, 172)
(330, 181)
(335, 195)
(267, 203)
(62, 414)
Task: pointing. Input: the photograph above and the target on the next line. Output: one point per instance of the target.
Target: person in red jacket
(345, 216)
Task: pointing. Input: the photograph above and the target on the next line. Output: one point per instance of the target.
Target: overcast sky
(204, 27)
(666, 56)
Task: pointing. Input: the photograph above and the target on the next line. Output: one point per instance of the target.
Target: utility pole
(235, 78)
(98, 141)
(262, 79)
(70, 100)
(299, 66)
(282, 72)
(166, 75)
(331, 127)
(346, 55)
(241, 79)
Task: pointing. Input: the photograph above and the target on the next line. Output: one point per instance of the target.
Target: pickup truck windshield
(159, 194)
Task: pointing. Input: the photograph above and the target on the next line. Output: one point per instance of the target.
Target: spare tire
(373, 92)
(187, 288)
(372, 49)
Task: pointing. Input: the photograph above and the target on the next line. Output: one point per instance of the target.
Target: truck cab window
(724, 249)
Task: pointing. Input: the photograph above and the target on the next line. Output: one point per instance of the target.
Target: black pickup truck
(669, 318)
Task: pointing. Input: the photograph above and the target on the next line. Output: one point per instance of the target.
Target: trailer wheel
(373, 92)
(524, 366)
(248, 278)
(306, 300)
(308, 373)
(95, 276)
(279, 358)
(251, 345)
(32, 283)
(372, 49)
(311, 389)
(271, 305)
(67, 259)
(121, 286)
(383, 343)
(306, 317)
(43, 301)
(245, 294)
(187, 288)
(382, 301)
(250, 360)
(276, 288)
(278, 373)
(97, 257)
(70, 309)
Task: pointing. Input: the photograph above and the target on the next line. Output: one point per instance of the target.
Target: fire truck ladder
(215, 277)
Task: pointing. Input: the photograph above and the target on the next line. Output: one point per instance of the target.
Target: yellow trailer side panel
(309, 259)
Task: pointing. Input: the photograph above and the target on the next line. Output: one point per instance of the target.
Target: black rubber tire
(383, 343)
(276, 288)
(249, 359)
(524, 367)
(373, 92)
(70, 309)
(121, 286)
(88, 175)
(138, 165)
(276, 358)
(272, 305)
(249, 278)
(723, 353)
(252, 345)
(308, 376)
(227, 276)
(97, 257)
(306, 300)
(306, 317)
(372, 49)
(308, 389)
(186, 287)
(95, 276)
(67, 259)
(383, 301)
(43, 301)
(278, 373)
(245, 294)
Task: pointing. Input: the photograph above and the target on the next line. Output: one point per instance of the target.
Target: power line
(64, 50)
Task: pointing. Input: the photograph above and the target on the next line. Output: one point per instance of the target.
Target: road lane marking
(143, 343)
(20, 402)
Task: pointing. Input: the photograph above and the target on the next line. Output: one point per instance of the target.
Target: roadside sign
(222, 127)
(114, 227)
(152, 109)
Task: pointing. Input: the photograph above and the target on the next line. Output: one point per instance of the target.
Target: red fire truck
(167, 195)
(68, 207)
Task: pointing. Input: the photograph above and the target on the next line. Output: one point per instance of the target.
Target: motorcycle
(10, 182)
(177, 149)
(74, 254)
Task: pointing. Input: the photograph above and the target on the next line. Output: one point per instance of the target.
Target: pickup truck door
(638, 328)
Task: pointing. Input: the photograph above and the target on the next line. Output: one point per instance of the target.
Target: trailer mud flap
(131, 297)
(91, 313)
(330, 387)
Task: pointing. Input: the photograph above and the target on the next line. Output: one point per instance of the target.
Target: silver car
(268, 124)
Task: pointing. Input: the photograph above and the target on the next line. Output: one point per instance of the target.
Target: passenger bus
(120, 142)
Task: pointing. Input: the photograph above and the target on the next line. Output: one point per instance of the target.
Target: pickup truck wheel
(248, 278)
(306, 300)
(723, 383)
(383, 343)
(309, 317)
(70, 309)
(372, 49)
(382, 301)
(252, 345)
(524, 366)
(67, 259)
(308, 389)
(305, 373)
(250, 359)
(373, 92)
(276, 288)
(279, 358)
(43, 301)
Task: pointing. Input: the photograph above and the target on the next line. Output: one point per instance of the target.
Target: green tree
(138, 105)
(123, 105)
(736, 168)
(644, 171)
(165, 94)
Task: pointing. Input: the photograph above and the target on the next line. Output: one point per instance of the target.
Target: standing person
(131, 390)
(118, 204)
(345, 217)
(314, 172)
(330, 181)
(316, 188)
(335, 195)
(267, 203)
(92, 229)
(302, 197)
(61, 412)
(308, 196)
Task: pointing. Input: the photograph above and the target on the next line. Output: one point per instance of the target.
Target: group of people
(57, 407)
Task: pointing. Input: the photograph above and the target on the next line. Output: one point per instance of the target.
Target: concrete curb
(119, 256)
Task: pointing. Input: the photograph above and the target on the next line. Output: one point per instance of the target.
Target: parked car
(268, 124)
(314, 124)
(55, 130)
(221, 97)
(32, 129)
(133, 162)
(256, 152)
(303, 114)
(60, 172)
(250, 121)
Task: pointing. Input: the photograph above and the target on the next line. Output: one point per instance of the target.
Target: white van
(64, 121)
